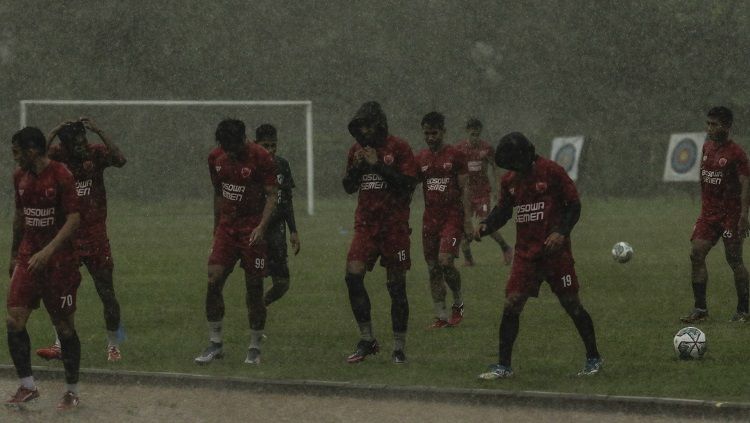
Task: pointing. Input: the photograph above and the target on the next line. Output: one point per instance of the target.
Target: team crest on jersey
(280, 179)
(20, 192)
(424, 168)
(722, 162)
(245, 172)
(512, 191)
(704, 158)
(88, 165)
(50, 192)
(541, 187)
(447, 165)
(482, 154)
(218, 168)
(388, 159)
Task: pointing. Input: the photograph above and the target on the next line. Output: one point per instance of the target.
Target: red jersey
(478, 159)
(439, 173)
(44, 201)
(721, 167)
(537, 199)
(376, 202)
(89, 183)
(242, 185)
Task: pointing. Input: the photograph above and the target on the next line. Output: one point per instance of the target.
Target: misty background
(623, 74)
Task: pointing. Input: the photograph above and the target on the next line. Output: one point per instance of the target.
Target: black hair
(30, 138)
(473, 123)
(70, 130)
(230, 131)
(434, 119)
(514, 152)
(265, 132)
(722, 114)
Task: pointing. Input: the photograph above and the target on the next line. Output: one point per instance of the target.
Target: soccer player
(479, 155)
(43, 261)
(547, 207)
(87, 163)
(382, 168)
(446, 219)
(282, 216)
(724, 208)
(244, 180)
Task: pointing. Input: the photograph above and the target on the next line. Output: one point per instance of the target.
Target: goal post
(307, 104)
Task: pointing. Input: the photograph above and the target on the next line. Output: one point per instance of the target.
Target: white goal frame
(307, 104)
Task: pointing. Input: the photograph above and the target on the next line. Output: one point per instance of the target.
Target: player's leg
(71, 358)
(733, 252)
(278, 266)
(59, 297)
(214, 307)
(19, 347)
(394, 247)
(256, 315)
(431, 249)
(225, 251)
(449, 242)
(361, 256)
(585, 327)
(509, 326)
(104, 284)
(438, 293)
(399, 311)
(22, 297)
(703, 239)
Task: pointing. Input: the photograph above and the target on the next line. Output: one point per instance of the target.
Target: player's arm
(53, 132)
(16, 240)
(496, 219)
(270, 205)
(743, 225)
(38, 261)
(217, 207)
(115, 156)
(290, 222)
(395, 178)
(354, 172)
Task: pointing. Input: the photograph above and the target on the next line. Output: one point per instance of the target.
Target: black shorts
(277, 255)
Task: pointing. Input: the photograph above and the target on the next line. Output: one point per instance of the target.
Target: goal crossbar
(307, 104)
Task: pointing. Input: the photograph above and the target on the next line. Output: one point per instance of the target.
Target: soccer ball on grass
(622, 252)
(690, 343)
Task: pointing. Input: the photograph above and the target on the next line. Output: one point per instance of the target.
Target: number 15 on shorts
(401, 254)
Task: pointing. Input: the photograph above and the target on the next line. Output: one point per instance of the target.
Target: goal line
(307, 104)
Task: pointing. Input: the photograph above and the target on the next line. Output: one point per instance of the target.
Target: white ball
(622, 252)
(690, 343)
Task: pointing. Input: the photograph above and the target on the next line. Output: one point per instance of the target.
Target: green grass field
(160, 253)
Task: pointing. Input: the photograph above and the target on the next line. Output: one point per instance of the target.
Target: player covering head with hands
(382, 169)
(547, 208)
(87, 162)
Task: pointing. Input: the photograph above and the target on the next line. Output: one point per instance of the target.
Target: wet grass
(160, 253)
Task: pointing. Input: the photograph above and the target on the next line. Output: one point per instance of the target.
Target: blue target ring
(566, 157)
(684, 156)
